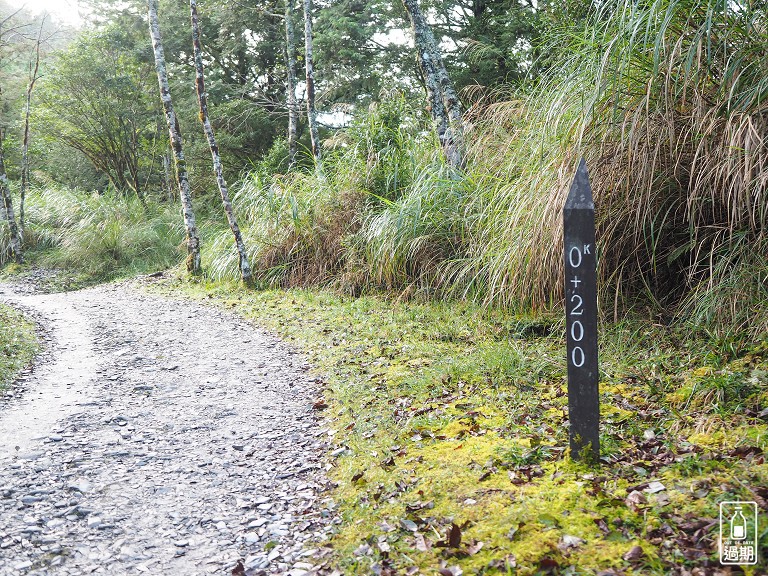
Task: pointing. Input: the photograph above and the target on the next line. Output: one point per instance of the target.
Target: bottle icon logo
(738, 525)
(738, 533)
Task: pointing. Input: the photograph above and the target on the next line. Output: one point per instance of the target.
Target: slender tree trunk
(25, 157)
(310, 70)
(25, 141)
(444, 102)
(290, 64)
(174, 130)
(5, 192)
(245, 268)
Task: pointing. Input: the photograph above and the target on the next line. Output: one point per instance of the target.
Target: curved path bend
(157, 436)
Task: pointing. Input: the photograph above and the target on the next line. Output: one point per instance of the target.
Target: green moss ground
(454, 424)
(18, 344)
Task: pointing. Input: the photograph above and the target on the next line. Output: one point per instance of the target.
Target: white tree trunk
(310, 71)
(290, 64)
(444, 102)
(245, 268)
(174, 130)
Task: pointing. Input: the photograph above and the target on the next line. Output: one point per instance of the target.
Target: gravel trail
(157, 436)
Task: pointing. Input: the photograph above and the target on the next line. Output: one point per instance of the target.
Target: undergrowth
(450, 423)
(92, 238)
(18, 344)
(448, 396)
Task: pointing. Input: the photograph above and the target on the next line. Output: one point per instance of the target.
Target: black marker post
(581, 317)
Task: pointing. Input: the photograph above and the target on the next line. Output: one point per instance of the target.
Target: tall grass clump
(100, 236)
(408, 242)
(667, 102)
(364, 218)
(294, 225)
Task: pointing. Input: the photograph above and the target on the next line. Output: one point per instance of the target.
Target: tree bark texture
(202, 99)
(444, 103)
(5, 192)
(310, 72)
(174, 130)
(290, 64)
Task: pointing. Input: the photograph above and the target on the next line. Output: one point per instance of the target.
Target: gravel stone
(169, 437)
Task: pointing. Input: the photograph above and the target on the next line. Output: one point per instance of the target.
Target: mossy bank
(451, 424)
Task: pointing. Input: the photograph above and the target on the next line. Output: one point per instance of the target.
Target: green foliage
(377, 212)
(276, 160)
(244, 130)
(666, 112)
(294, 227)
(100, 98)
(355, 57)
(18, 344)
(495, 39)
(410, 239)
(383, 140)
(100, 237)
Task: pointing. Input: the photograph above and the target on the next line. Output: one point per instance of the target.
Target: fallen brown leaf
(454, 536)
(549, 565)
(475, 548)
(634, 554)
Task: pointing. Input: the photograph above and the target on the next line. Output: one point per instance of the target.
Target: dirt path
(146, 442)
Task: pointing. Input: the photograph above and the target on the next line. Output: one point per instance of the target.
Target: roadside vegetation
(665, 102)
(93, 238)
(449, 423)
(18, 344)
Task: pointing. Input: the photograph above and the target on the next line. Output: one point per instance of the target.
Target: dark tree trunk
(245, 268)
(174, 130)
(25, 142)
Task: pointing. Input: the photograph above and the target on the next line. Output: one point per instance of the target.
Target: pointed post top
(580, 195)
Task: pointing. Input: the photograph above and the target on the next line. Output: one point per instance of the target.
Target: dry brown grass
(671, 118)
